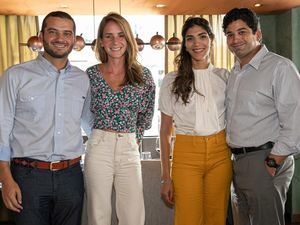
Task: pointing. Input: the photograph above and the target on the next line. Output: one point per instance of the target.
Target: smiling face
(114, 41)
(198, 44)
(242, 42)
(58, 38)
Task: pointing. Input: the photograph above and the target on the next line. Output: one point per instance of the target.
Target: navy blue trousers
(49, 197)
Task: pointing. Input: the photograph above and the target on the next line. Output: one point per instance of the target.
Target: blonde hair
(133, 68)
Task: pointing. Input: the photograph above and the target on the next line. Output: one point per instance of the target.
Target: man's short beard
(54, 54)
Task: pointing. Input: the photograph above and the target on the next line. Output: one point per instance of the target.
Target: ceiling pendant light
(34, 43)
(157, 42)
(79, 43)
(174, 43)
(140, 43)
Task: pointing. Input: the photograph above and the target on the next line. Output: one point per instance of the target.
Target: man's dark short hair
(59, 14)
(244, 14)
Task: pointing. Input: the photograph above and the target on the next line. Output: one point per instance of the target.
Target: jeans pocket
(21, 171)
(94, 139)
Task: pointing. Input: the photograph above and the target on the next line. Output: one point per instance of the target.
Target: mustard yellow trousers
(202, 173)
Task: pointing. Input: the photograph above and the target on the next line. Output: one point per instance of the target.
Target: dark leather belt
(53, 166)
(245, 150)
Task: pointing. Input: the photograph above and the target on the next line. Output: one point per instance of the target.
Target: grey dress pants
(258, 198)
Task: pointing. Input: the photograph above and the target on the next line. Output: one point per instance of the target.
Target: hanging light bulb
(79, 43)
(140, 43)
(174, 43)
(157, 42)
(34, 43)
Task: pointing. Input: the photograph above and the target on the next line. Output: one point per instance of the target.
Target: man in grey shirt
(263, 128)
(42, 105)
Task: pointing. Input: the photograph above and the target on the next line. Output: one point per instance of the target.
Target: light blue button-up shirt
(263, 104)
(41, 110)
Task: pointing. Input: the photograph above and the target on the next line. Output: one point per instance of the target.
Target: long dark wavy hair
(184, 83)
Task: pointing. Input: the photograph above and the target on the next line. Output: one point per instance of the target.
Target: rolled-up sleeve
(286, 88)
(7, 111)
(87, 117)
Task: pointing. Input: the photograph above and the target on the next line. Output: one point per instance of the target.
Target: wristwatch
(271, 162)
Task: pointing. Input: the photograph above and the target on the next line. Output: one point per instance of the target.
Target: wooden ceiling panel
(137, 7)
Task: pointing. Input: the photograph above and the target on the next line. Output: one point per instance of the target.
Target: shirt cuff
(5, 153)
(283, 150)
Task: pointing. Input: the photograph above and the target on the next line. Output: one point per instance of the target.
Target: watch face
(271, 162)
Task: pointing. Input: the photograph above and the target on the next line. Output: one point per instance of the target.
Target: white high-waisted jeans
(113, 159)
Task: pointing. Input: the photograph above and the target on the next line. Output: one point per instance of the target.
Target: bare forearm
(165, 158)
(165, 140)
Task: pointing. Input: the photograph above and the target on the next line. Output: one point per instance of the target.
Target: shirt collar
(256, 60)
(209, 68)
(49, 67)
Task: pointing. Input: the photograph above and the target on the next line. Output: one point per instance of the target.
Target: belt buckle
(51, 166)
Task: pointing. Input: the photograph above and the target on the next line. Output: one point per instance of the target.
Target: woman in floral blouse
(122, 101)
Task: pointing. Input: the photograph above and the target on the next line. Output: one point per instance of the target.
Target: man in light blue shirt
(263, 128)
(43, 103)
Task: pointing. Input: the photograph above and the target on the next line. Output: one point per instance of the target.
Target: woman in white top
(193, 98)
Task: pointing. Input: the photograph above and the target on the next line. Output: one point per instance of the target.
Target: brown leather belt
(53, 166)
(244, 150)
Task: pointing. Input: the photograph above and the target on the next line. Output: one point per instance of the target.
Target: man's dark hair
(244, 14)
(59, 14)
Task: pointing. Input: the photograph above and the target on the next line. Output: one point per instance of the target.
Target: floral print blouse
(127, 110)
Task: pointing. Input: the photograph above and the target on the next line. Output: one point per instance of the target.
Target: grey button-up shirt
(41, 111)
(263, 103)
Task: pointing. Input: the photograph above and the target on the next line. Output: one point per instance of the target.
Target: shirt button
(58, 132)
(59, 114)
